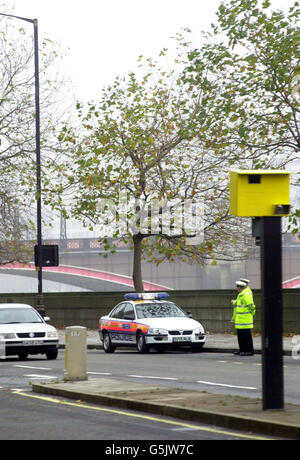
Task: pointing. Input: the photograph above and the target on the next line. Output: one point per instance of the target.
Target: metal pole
(38, 157)
(38, 165)
(272, 314)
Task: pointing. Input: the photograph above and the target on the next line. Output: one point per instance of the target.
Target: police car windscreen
(159, 310)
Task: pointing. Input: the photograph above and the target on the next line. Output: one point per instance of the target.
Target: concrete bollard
(75, 353)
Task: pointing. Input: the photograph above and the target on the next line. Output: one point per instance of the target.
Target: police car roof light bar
(147, 296)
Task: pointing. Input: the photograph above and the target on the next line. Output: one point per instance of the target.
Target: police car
(24, 332)
(149, 321)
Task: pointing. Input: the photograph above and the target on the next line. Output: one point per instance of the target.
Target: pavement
(227, 411)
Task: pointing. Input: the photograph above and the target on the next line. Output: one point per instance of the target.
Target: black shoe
(246, 354)
(237, 353)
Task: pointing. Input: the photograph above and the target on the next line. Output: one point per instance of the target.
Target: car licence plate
(32, 342)
(181, 339)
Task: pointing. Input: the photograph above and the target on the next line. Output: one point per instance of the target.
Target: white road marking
(151, 377)
(33, 367)
(225, 385)
(99, 373)
(37, 376)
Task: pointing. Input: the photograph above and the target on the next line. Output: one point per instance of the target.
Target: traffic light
(49, 255)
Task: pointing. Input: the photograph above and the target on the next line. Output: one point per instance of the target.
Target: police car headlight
(198, 330)
(157, 331)
(52, 335)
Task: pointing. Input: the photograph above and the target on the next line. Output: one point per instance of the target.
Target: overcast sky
(105, 37)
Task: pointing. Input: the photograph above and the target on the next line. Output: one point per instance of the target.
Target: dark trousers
(245, 340)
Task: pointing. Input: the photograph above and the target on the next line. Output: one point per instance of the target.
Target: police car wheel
(107, 346)
(141, 343)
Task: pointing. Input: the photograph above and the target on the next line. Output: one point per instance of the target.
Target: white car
(23, 332)
(149, 321)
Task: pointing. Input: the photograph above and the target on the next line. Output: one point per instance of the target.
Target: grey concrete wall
(211, 307)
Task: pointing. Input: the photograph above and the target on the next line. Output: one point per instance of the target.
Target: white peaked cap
(241, 283)
(245, 280)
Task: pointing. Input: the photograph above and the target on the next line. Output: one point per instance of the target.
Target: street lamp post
(39, 303)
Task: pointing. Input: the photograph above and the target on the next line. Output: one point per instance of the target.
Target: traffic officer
(244, 280)
(243, 312)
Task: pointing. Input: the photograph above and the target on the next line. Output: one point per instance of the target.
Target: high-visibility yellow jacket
(244, 310)
(249, 290)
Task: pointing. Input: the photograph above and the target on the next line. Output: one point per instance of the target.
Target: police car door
(128, 325)
(116, 324)
(121, 330)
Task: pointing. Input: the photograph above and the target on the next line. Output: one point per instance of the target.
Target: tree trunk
(137, 263)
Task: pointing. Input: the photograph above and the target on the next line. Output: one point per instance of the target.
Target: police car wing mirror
(189, 314)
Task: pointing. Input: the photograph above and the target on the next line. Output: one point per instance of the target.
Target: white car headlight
(8, 336)
(199, 330)
(157, 331)
(52, 335)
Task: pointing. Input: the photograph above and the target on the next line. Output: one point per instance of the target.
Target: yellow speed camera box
(259, 193)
